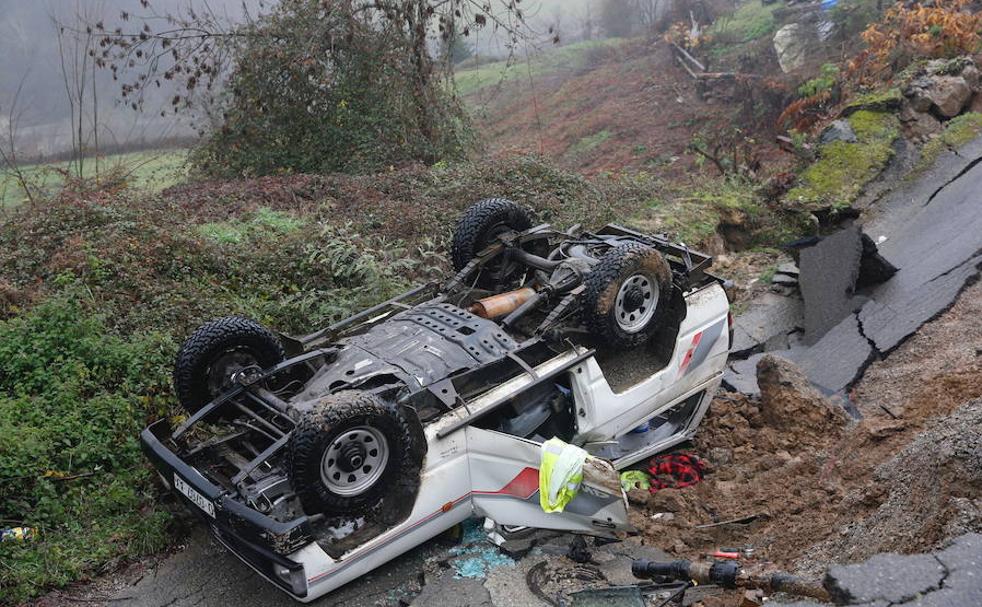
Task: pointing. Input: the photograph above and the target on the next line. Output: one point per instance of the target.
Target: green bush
(73, 399)
(826, 79)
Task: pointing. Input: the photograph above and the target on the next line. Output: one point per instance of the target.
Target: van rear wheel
(627, 295)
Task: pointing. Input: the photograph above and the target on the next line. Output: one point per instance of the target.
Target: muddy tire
(478, 227)
(350, 451)
(627, 294)
(214, 352)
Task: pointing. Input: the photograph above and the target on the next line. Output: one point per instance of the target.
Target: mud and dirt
(812, 487)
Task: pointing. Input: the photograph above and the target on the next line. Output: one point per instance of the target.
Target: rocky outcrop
(944, 95)
(839, 130)
(941, 90)
(919, 125)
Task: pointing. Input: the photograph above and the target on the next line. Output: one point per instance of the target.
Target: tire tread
(211, 338)
(476, 220)
(611, 267)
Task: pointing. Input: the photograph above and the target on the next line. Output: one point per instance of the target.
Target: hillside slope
(618, 106)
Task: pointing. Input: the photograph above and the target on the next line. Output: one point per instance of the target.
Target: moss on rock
(877, 101)
(843, 169)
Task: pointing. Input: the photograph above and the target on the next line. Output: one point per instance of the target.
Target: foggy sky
(29, 48)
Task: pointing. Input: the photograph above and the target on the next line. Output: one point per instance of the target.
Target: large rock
(971, 76)
(916, 94)
(949, 94)
(975, 105)
(944, 94)
(839, 130)
(920, 125)
(791, 43)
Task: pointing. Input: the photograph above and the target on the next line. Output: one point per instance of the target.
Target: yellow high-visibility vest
(560, 474)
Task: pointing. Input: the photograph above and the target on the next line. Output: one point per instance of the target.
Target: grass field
(152, 170)
(552, 59)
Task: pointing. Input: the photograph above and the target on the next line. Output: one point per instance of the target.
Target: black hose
(540, 263)
(645, 569)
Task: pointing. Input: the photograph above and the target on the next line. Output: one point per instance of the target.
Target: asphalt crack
(874, 353)
(968, 167)
(976, 255)
(862, 333)
(945, 574)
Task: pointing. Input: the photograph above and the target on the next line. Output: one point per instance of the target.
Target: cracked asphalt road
(947, 578)
(930, 228)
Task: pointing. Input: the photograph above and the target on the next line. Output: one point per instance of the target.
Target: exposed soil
(824, 489)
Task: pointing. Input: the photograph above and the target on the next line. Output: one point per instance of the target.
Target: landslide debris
(812, 488)
(927, 493)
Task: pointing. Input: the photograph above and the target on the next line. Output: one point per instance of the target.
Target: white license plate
(199, 500)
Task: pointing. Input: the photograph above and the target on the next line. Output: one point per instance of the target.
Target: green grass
(263, 222)
(589, 142)
(152, 170)
(751, 21)
(564, 58)
(843, 169)
(693, 213)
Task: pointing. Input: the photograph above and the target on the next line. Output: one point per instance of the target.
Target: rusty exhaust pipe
(502, 304)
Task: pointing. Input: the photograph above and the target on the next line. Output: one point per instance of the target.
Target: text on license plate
(199, 500)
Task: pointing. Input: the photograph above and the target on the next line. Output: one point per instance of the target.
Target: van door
(504, 472)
